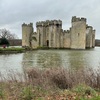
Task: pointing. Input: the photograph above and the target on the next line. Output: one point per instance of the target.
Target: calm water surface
(50, 58)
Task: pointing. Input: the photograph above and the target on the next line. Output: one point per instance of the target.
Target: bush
(4, 41)
(51, 84)
(64, 78)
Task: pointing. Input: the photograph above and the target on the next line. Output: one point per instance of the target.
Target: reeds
(64, 78)
(37, 83)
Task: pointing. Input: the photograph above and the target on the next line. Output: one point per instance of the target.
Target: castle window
(57, 25)
(78, 34)
(47, 43)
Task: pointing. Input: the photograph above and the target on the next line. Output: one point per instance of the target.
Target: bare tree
(7, 34)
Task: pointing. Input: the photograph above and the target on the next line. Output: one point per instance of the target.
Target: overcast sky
(15, 12)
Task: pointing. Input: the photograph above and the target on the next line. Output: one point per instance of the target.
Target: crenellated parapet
(48, 22)
(94, 31)
(89, 27)
(40, 23)
(34, 33)
(77, 19)
(28, 25)
(66, 31)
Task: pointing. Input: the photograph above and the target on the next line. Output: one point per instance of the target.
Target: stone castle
(50, 34)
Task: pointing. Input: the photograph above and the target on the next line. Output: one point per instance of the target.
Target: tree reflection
(49, 59)
(41, 59)
(73, 59)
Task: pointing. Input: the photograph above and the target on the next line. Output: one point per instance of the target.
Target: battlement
(49, 22)
(77, 19)
(34, 33)
(28, 25)
(94, 30)
(89, 27)
(66, 31)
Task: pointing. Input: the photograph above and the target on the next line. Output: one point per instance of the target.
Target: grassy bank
(51, 84)
(12, 50)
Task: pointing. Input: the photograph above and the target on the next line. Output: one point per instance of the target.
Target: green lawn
(12, 49)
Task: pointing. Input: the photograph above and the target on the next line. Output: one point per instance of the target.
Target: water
(50, 58)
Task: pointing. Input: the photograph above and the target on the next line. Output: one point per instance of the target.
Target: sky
(13, 13)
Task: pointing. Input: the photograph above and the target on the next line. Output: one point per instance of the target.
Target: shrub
(64, 78)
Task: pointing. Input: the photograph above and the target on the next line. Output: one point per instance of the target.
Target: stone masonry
(50, 34)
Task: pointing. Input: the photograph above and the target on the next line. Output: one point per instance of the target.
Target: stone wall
(67, 39)
(93, 38)
(27, 30)
(34, 43)
(78, 33)
(89, 36)
(50, 34)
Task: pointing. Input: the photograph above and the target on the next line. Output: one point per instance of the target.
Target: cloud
(14, 12)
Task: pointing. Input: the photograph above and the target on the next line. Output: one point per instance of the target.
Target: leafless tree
(7, 34)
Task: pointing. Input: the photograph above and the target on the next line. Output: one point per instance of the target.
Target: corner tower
(78, 33)
(27, 30)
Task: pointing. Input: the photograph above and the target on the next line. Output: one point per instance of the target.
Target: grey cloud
(14, 12)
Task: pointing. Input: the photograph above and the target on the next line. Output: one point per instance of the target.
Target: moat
(50, 58)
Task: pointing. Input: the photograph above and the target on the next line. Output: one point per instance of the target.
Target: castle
(50, 34)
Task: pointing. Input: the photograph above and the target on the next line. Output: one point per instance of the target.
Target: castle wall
(93, 38)
(50, 34)
(27, 30)
(54, 30)
(89, 36)
(40, 35)
(34, 43)
(62, 39)
(58, 28)
(78, 33)
(44, 36)
(67, 39)
(47, 35)
(49, 31)
(53, 34)
(58, 38)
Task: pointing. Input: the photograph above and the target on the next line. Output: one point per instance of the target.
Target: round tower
(93, 39)
(27, 30)
(78, 33)
(89, 36)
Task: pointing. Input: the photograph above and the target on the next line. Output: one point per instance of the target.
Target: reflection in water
(42, 58)
(29, 60)
(76, 59)
(48, 59)
(51, 58)
(10, 62)
(62, 58)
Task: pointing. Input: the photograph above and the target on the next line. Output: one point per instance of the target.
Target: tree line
(5, 36)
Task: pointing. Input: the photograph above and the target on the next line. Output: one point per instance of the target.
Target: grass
(13, 49)
(52, 84)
